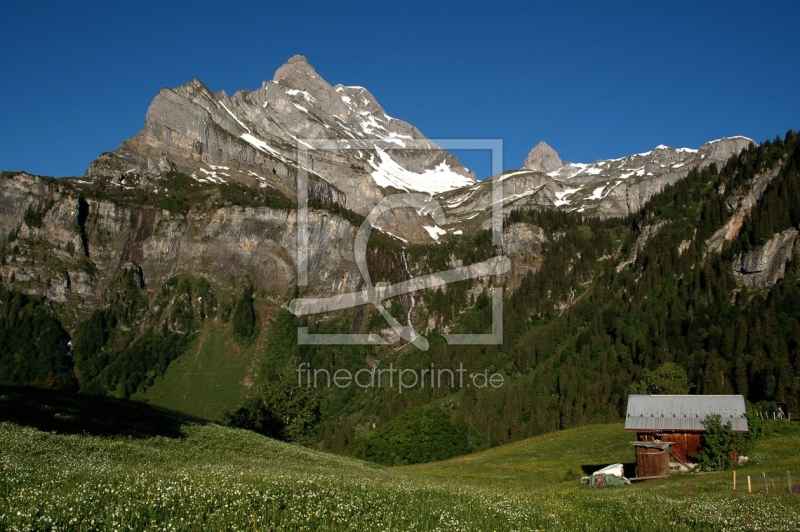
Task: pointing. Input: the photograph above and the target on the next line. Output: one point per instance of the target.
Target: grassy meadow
(72, 462)
(214, 363)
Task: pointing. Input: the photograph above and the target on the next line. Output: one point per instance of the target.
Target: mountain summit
(543, 158)
(298, 74)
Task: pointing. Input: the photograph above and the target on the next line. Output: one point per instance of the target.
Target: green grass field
(214, 364)
(215, 373)
(91, 463)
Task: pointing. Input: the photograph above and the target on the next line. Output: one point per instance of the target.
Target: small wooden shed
(680, 421)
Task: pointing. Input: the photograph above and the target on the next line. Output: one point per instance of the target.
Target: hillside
(66, 465)
(182, 303)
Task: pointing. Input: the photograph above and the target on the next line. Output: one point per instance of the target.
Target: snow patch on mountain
(260, 144)
(434, 231)
(512, 174)
(306, 96)
(234, 117)
(597, 193)
(560, 196)
(388, 173)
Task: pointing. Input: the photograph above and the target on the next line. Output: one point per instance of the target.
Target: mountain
(605, 188)
(166, 272)
(252, 138)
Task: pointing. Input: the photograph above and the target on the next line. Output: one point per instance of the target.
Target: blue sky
(592, 79)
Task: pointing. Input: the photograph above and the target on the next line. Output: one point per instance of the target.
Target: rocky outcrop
(523, 245)
(764, 266)
(543, 159)
(742, 205)
(647, 233)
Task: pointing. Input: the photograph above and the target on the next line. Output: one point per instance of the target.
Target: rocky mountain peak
(298, 74)
(543, 158)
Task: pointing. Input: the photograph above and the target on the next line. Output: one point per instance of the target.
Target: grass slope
(60, 469)
(540, 461)
(216, 372)
(207, 379)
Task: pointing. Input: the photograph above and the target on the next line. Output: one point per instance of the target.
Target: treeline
(177, 193)
(34, 348)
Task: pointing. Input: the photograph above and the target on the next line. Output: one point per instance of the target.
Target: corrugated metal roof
(683, 412)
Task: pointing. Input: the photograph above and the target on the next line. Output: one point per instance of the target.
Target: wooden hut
(680, 421)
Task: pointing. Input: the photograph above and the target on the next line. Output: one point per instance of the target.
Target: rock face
(523, 245)
(78, 245)
(764, 266)
(743, 205)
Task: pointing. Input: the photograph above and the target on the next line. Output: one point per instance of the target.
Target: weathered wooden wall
(684, 444)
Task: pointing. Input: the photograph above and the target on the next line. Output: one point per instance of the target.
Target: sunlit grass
(216, 478)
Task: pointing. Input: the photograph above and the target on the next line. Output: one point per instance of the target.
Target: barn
(669, 428)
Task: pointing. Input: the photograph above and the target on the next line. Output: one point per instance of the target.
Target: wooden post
(749, 485)
(766, 486)
(734, 482)
(789, 480)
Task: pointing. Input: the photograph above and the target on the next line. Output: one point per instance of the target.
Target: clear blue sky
(592, 79)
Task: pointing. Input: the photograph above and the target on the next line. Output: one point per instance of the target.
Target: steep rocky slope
(67, 240)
